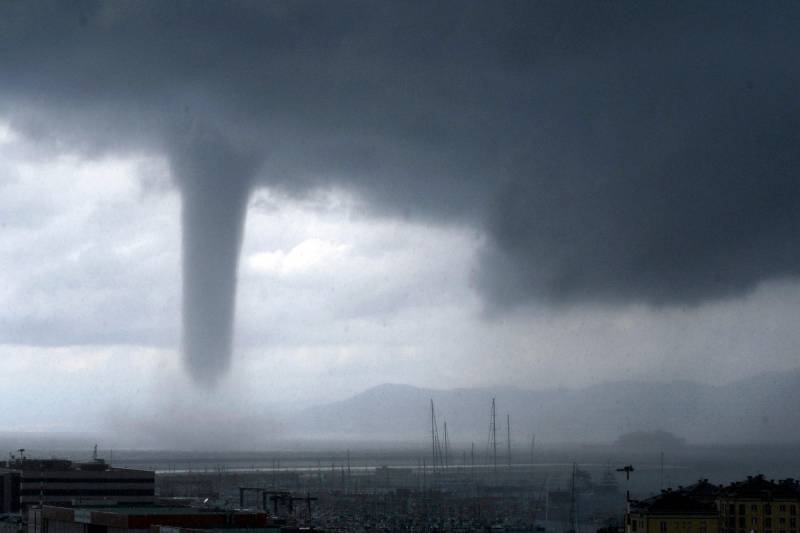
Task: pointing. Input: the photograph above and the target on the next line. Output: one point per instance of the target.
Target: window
(633, 525)
(793, 522)
(741, 508)
(792, 509)
(742, 525)
(662, 527)
(754, 508)
(767, 509)
(782, 520)
(783, 508)
(768, 522)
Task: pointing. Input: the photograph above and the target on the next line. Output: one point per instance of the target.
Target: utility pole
(661, 474)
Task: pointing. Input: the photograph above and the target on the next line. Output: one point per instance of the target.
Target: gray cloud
(613, 152)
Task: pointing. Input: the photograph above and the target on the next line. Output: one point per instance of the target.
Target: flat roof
(155, 509)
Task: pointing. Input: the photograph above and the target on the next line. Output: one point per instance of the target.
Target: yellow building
(758, 505)
(672, 512)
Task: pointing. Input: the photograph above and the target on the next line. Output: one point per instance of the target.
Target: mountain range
(761, 409)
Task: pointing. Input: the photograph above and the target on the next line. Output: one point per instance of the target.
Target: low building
(9, 491)
(672, 512)
(759, 505)
(106, 519)
(26, 482)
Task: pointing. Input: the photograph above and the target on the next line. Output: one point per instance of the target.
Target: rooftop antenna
(627, 469)
(94, 453)
(661, 474)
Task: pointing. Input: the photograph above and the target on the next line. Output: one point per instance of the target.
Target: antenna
(627, 469)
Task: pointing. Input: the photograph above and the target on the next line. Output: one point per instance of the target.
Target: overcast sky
(463, 195)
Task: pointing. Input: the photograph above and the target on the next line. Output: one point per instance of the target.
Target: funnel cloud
(215, 183)
(614, 153)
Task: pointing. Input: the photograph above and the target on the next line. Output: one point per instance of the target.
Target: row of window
(767, 521)
(29, 480)
(686, 525)
(756, 531)
(88, 492)
(731, 508)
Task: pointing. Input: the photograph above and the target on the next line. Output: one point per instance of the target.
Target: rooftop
(760, 487)
(674, 502)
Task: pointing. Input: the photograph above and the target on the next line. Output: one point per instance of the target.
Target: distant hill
(760, 409)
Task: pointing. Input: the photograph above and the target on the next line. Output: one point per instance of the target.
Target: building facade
(29, 482)
(672, 512)
(130, 519)
(755, 505)
(758, 505)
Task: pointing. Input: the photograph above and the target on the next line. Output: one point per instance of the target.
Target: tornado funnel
(215, 186)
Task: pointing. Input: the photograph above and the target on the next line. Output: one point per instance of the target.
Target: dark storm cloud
(631, 152)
